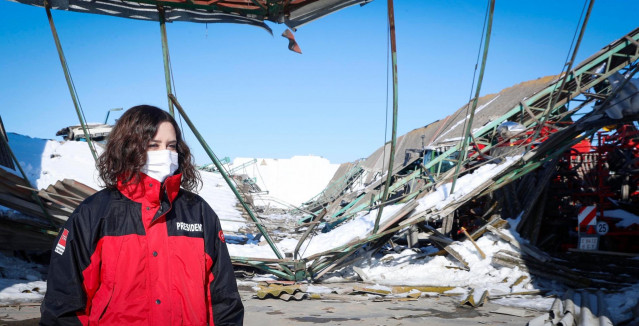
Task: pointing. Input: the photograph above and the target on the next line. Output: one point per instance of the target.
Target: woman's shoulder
(189, 197)
(193, 200)
(102, 195)
(100, 200)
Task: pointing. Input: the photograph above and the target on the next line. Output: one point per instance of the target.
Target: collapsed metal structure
(426, 157)
(541, 112)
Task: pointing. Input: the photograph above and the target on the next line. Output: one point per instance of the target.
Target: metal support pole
(67, 75)
(165, 55)
(391, 159)
(469, 123)
(34, 194)
(218, 165)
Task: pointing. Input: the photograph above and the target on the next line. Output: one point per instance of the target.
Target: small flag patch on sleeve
(62, 243)
(221, 235)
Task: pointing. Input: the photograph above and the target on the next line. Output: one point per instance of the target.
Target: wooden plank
(15, 191)
(481, 252)
(21, 205)
(334, 264)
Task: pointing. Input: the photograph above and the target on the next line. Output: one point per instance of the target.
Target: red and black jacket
(143, 254)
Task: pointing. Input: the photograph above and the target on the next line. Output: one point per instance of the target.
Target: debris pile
(520, 137)
(539, 161)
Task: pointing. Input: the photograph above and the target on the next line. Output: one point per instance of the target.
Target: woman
(143, 251)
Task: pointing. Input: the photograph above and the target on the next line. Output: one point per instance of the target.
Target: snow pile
(72, 160)
(292, 181)
(465, 185)
(357, 228)
(412, 268)
(46, 161)
(318, 289)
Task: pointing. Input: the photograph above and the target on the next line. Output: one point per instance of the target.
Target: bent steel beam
(590, 73)
(228, 180)
(391, 159)
(469, 124)
(165, 55)
(67, 76)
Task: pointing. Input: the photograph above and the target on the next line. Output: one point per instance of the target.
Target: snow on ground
(318, 289)
(418, 269)
(20, 281)
(292, 181)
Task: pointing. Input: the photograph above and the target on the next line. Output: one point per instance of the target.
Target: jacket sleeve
(70, 281)
(226, 306)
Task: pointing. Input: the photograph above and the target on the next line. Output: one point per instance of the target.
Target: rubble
(509, 169)
(507, 194)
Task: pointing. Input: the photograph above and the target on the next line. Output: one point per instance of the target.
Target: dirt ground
(342, 309)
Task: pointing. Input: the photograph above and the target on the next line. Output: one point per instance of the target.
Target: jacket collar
(147, 189)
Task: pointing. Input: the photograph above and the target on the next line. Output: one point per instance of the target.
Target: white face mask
(160, 164)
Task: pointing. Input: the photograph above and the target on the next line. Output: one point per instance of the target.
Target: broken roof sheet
(293, 13)
(449, 130)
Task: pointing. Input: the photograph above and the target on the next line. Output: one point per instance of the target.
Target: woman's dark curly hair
(128, 142)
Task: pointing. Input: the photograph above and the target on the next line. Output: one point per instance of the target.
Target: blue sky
(252, 97)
